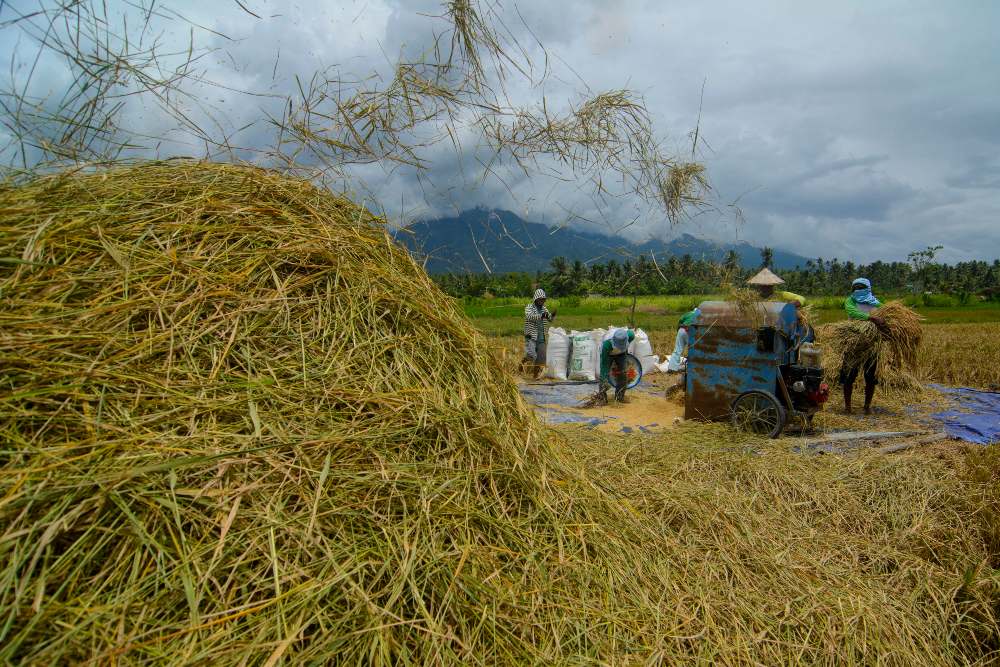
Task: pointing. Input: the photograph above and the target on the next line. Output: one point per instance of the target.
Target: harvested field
(241, 426)
(966, 355)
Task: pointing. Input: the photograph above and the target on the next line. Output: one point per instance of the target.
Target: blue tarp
(976, 416)
(571, 396)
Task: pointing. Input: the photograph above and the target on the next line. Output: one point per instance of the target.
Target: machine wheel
(759, 412)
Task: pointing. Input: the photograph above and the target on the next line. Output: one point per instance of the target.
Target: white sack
(581, 364)
(597, 335)
(674, 364)
(641, 346)
(649, 363)
(557, 354)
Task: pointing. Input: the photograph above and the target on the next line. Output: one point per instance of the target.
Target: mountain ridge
(485, 240)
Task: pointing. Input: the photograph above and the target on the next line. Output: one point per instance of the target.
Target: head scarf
(864, 295)
(539, 294)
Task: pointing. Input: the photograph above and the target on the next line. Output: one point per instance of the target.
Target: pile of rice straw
(240, 426)
(894, 349)
(236, 419)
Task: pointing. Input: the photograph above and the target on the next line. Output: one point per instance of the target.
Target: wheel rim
(757, 414)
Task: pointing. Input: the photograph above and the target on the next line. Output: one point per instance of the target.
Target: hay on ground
(239, 425)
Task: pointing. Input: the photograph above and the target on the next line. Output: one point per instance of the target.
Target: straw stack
(236, 415)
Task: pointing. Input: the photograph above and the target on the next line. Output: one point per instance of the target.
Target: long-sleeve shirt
(536, 321)
(791, 297)
(607, 348)
(857, 311)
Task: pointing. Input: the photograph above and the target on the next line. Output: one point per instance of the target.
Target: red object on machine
(821, 395)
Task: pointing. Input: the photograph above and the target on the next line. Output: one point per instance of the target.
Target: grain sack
(597, 335)
(649, 363)
(640, 347)
(581, 366)
(557, 354)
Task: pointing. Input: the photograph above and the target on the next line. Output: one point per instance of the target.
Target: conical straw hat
(765, 277)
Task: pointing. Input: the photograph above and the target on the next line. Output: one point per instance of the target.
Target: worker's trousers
(675, 362)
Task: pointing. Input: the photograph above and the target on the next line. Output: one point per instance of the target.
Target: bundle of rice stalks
(807, 315)
(903, 333)
(893, 349)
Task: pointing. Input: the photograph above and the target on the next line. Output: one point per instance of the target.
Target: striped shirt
(536, 322)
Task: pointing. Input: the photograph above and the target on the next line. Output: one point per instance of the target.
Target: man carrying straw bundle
(859, 306)
(536, 320)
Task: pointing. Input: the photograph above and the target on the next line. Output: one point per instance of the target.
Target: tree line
(648, 275)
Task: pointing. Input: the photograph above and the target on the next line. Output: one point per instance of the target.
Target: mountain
(505, 242)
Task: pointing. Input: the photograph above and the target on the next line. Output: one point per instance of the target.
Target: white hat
(765, 277)
(539, 294)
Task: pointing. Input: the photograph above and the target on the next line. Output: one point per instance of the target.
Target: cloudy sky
(861, 130)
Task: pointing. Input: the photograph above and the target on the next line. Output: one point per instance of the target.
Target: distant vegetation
(936, 283)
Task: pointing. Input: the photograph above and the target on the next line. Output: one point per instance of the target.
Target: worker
(859, 306)
(536, 321)
(676, 360)
(613, 350)
(765, 282)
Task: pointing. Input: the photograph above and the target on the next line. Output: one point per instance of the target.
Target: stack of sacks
(577, 355)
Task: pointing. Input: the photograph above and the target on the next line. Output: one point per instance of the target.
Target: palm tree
(766, 257)
(731, 264)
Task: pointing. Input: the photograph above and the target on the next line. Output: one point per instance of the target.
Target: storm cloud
(856, 130)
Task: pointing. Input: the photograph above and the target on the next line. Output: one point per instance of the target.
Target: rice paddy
(239, 425)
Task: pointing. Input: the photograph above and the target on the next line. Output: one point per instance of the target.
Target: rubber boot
(869, 393)
(848, 390)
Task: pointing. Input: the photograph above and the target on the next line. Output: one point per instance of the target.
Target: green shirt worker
(614, 347)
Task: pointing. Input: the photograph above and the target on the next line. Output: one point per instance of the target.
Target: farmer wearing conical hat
(536, 321)
(613, 350)
(765, 283)
(859, 306)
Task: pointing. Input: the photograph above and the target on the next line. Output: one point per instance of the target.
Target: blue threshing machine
(743, 365)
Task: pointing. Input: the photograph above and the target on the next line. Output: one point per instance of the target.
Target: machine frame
(742, 366)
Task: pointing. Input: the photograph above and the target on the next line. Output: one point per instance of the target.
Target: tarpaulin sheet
(976, 416)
